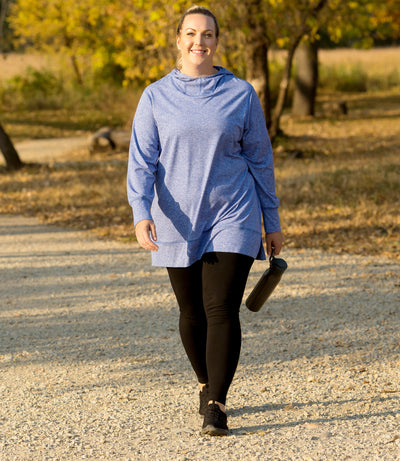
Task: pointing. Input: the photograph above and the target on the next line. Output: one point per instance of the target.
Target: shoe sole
(211, 430)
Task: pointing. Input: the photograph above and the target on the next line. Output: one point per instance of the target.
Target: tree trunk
(3, 15)
(306, 81)
(77, 71)
(11, 156)
(257, 74)
(283, 89)
(284, 86)
(257, 56)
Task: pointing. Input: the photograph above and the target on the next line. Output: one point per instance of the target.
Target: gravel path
(91, 365)
(47, 150)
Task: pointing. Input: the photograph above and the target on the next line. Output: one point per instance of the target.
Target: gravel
(91, 364)
(47, 150)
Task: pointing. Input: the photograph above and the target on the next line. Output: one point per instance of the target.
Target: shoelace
(215, 412)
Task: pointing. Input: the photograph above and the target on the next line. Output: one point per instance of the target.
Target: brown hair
(198, 10)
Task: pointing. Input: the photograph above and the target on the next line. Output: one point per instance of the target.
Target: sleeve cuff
(271, 221)
(141, 210)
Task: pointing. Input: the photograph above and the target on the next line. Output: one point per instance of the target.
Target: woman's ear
(178, 42)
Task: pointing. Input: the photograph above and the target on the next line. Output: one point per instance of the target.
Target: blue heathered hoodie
(200, 165)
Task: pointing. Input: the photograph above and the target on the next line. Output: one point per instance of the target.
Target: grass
(14, 64)
(82, 194)
(338, 179)
(343, 194)
(349, 70)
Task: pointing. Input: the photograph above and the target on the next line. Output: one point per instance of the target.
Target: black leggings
(209, 294)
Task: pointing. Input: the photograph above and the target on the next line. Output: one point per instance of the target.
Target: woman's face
(197, 42)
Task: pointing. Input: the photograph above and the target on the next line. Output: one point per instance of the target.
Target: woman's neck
(198, 72)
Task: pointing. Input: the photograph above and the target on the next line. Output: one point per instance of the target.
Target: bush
(33, 90)
(353, 78)
(384, 82)
(343, 78)
(38, 90)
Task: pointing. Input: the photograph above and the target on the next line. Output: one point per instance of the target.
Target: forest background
(70, 68)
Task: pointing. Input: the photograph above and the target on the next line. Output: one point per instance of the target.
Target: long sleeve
(143, 157)
(257, 150)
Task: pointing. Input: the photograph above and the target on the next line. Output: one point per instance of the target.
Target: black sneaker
(203, 400)
(215, 421)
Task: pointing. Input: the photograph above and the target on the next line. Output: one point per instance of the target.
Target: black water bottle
(267, 283)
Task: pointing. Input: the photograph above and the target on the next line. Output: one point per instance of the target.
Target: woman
(200, 177)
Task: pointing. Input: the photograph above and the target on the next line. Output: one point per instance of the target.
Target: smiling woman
(200, 177)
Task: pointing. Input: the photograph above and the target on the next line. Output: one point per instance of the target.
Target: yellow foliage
(155, 15)
(282, 42)
(139, 35)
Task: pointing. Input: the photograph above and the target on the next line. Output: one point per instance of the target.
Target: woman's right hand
(145, 233)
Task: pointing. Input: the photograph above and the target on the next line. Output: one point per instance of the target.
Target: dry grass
(82, 194)
(376, 61)
(343, 194)
(51, 123)
(13, 64)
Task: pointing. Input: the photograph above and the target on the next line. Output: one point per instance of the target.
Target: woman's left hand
(274, 240)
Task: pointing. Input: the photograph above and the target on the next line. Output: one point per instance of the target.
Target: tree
(13, 162)
(306, 19)
(256, 53)
(306, 79)
(356, 22)
(74, 29)
(360, 22)
(263, 24)
(285, 23)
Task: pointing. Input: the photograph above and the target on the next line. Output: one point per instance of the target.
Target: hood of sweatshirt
(200, 86)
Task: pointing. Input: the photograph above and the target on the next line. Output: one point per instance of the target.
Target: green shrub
(38, 90)
(343, 78)
(33, 90)
(384, 82)
(353, 78)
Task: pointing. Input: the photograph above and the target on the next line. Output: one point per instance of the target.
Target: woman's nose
(199, 39)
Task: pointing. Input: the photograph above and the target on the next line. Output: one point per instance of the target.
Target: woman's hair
(198, 10)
